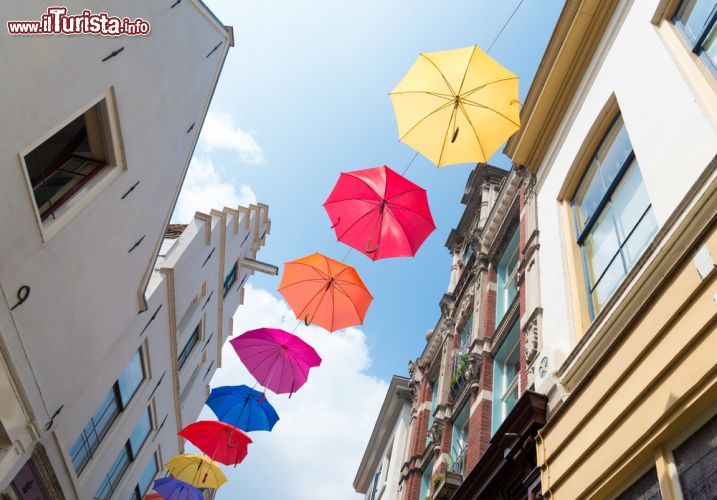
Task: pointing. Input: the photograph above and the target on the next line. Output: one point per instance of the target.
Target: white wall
(673, 137)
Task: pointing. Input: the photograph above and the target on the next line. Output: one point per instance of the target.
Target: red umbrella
(222, 442)
(379, 213)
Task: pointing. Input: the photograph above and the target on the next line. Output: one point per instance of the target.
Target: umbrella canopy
(456, 106)
(174, 489)
(153, 496)
(197, 470)
(243, 407)
(325, 292)
(277, 359)
(220, 441)
(379, 213)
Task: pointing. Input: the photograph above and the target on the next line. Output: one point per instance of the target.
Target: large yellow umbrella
(456, 106)
(197, 470)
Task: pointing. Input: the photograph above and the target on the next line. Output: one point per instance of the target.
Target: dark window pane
(230, 279)
(114, 475)
(696, 461)
(188, 346)
(131, 378)
(145, 480)
(645, 488)
(694, 16)
(140, 433)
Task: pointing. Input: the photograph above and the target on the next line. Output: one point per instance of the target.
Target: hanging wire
(410, 163)
(348, 252)
(504, 26)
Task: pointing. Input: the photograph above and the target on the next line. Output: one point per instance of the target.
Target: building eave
(386, 420)
(571, 47)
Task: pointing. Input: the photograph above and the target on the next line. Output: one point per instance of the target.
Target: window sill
(81, 200)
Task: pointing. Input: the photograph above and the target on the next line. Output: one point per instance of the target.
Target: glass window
(434, 397)
(114, 475)
(467, 253)
(188, 346)
(140, 433)
(230, 279)
(113, 403)
(131, 378)
(376, 483)
(507, 285)
(613, 216)
(59, 167)
(426, 480)
(145, 480)
(459, 439)
(90, 437)
(645, 488)
(696, 21)
(696, 462)
(506, 377)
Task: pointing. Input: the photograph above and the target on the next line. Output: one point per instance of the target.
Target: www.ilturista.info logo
(56, 22)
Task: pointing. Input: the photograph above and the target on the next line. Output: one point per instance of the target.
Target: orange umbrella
(325, 292)
(153, 496)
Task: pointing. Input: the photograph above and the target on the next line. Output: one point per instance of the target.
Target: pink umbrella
(278, 360)
(379, 213)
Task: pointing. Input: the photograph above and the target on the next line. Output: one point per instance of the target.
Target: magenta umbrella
(278, 360)
(379, 213)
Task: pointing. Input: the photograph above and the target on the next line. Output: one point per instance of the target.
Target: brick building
(478, 364)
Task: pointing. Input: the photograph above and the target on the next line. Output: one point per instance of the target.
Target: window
(459, 439)
(613, 216)
(507, 285)
(62, 165)
(113, 403)
(127, 454)
(145, 480)
(376, 483)
(696, 19)
(467, 253)
(645, 488)
(426, 480)
(231, 278)
(188, 346)
(434, 397)
(506, 377)
(696, 462)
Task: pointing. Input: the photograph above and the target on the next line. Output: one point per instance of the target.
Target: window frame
(695, 45)
(233, 274)
(189, 346)
(98, 181)
(502, 304)
(581, 235)
(120, 407)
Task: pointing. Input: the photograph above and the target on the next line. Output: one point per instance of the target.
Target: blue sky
(303, 96)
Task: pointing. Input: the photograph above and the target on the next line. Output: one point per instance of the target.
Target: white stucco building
(620, 130)
(106, 349)
(379, 473)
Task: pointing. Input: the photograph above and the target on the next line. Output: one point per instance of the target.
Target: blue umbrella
(242, 407)
(174, 489)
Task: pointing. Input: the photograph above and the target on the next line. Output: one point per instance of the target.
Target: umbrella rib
(479, 105)
(309, 266)
(357, 221)
(405, 233)
(474, 130)
(479, 87)
(358, 316)
(403, 207)
(440, 108)
(317, 280)
(453, 92)
(473, 52)
(417, 188)
(360, 179)
(435, 94)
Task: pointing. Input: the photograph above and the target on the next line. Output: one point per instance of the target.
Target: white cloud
(204, 190)
(315, 448)
(220, 132)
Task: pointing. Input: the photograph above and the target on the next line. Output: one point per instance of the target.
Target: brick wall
(480, 420)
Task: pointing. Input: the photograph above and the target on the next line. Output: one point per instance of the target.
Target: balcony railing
(459, 464)
(457, 384)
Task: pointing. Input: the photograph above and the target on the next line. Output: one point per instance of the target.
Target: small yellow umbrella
(456, 106)
(197, 470)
